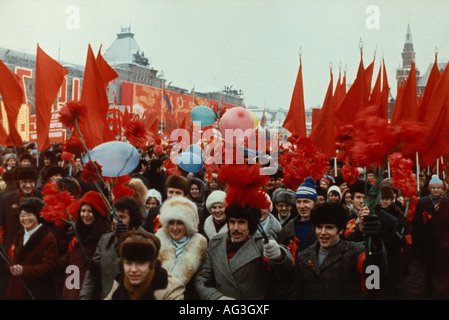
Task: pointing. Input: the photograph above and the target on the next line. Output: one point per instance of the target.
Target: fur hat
(283, 195)
(386, 193)
(27, 173)
(32, 205)
(180, 208)
(10, 156)
(136, 245)
(25, 156)
(307, 190)
(153, 193)
(178, 182)
(216, 196)
(359, 186)
(53, 170)
(95, 200)
(329, 213)
(140, 190)
(334, 188)
(248, 213)
(435, 182)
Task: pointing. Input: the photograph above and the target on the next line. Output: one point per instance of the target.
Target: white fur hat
(183, 209)
(216, 196)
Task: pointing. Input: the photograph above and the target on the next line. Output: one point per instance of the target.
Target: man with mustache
(239, 264)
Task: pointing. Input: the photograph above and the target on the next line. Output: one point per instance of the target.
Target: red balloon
(238, 119)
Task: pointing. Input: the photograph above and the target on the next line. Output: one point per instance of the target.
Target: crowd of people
(175, 236)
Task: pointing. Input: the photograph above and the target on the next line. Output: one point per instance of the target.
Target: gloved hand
(271, 250)
(372, 226)
(225, 298)
(121, 229)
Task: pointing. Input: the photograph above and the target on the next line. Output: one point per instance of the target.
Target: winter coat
(209, 229)
(39, 258)
(10, 215)
(189, 262)
(430, 242)
(163, 287)
(338, 276)
(272, 227)
(246, 276)
(99, 279)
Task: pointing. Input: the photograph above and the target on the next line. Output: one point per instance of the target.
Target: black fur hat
(136, 245)
(27, 173)
(329, 213)
(248, 213)
(32, 205)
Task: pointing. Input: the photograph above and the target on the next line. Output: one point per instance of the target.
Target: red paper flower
(302, 160)
(70, 111)
(89, 173)
(73, 145)
(171, 168)
(137, 133)
(56, 204)
(121, 188)
(426, 216)
(402, 176)
(158, 150)
(350, 174)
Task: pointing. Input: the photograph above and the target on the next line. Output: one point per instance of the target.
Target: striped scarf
(436, 202)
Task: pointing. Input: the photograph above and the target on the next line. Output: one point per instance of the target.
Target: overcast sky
(252, 45)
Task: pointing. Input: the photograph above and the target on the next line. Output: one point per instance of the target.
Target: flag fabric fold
(12, 95)
(166, 99)
(295, 121)
(407, 108)
(48, 80)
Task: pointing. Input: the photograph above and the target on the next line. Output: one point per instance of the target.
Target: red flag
(376, 93)
(383, 110)
(354, 101)
(93, 95)
(407, 108)
(107, 72)
(12, 95)
(315, 116)
(323, 134)
(434, 76)
(49, 77)
(436, 118)
(369, 74)
(295, 122)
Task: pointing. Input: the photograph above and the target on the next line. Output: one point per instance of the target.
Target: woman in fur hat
(183, 248)
(90, 224)
(142, 276)
(34, 254)
(215, 223)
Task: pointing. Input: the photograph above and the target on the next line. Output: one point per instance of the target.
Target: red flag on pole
(434, 76)
(93, 95)
(355, 100)
(49, 77)
(407, 109)
(295, 122)
(436, 118)
(323, 133)
(12, 95)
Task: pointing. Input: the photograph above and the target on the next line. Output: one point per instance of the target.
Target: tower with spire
(408, 55)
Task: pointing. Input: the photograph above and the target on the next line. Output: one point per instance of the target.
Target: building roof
(422, 81)
(125, 49)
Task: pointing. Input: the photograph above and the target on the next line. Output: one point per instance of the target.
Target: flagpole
(162, 107)
(442, 171)
(417, 170)
(438, 167)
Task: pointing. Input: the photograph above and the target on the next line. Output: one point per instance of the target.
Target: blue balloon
(117, 158)
(204, 115)
(196, 149)
(190, 162)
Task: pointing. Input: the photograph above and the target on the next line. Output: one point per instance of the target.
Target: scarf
(136, 292)
(232, 247)
(436, 202)
(179, 246)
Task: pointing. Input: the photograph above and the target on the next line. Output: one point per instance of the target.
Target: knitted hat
(334, 188)
(95, 200)
(327, 181)
(307, 190)
(32, 205)
(329, 213)
(283, 195)
(138, 245)
(153, 193)
(178, 182)
(435, 182)
(180, 208)
(216, 196)
(27, 173)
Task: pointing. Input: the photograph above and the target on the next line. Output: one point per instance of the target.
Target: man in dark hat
(53, 174)
(25, 160)
(334, 268)
(238, 263)
(284, 203)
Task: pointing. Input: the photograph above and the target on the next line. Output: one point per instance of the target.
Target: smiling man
(334, 268)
